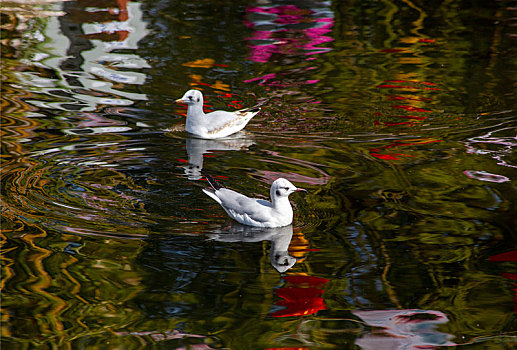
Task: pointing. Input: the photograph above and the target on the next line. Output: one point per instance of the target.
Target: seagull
(215, 124)
(252, 211)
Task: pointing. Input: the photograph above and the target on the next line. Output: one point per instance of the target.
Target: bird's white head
(192, 97)
(282, 188)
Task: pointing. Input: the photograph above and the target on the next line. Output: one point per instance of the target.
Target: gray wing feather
(237, 204)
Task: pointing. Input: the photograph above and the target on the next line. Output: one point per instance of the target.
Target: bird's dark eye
(278, 192)
(190, 97)
(198, 99)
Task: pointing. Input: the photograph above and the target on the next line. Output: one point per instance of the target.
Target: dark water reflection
(399, 117)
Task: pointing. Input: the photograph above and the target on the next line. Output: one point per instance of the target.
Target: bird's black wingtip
(215, 185)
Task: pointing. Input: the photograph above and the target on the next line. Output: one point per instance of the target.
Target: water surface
(398, 118)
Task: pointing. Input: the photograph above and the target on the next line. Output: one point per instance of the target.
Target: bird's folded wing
(238, 204)
(219, 120)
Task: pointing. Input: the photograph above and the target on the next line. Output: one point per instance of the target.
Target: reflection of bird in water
(253, 211)
(403, 329)
(280, 238)
(197, 147)
(214, 124)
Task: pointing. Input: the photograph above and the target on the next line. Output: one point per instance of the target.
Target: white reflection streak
(94, 75)
(100, 56)
(485, 176)
(280, 238)
(403, 329)
(196, 148)
(507, 143)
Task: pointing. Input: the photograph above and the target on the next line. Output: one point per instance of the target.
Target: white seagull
(215, 124)
(253, 211)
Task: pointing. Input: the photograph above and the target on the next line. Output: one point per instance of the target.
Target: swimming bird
(214, 124)
(253, 211)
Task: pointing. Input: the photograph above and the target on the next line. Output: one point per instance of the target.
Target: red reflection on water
(223, 177)
(413, 84)
(402, 143)
(508, 256)
(413, 104)
(302, 297)
(411, 108)
(388, 156)
(416, 117)
(398, 143)
(411, 98)
(393, 50)
(411, 81)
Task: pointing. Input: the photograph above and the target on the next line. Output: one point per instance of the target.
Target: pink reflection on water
(263, 78)
(287, 30)
(484, 176)
(158, 336)
(496, 143)
(403, 329)
(270, 176)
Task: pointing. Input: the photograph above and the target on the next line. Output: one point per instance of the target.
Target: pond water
(398, 117)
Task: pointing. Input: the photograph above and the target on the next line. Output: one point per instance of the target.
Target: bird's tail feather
(212, 195)
(249, 112)
(215, 185)
(252, 109)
